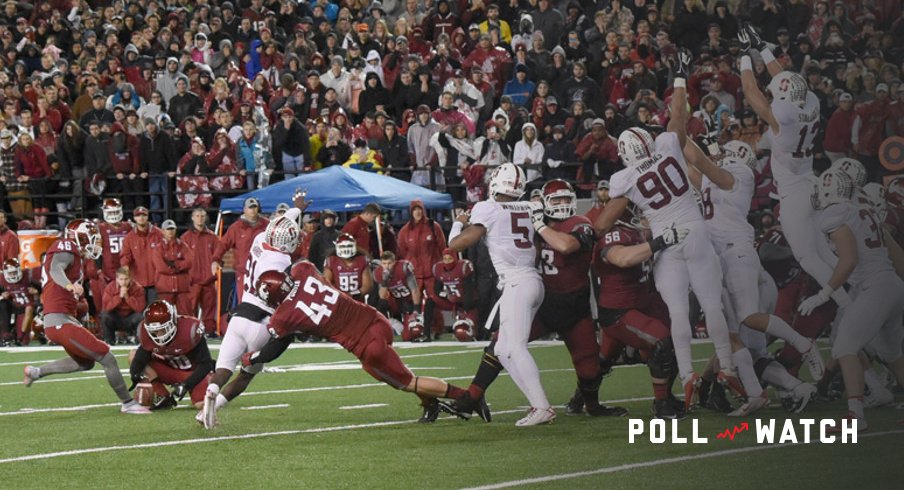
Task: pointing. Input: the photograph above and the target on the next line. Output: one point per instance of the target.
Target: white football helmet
(853, 168)
(894, 194)
(876, 194)
(738, 153)
(554, 190)
(832, 187)
(346, 246)
(635, 146)
(789, 86)
(508, 179)
(283, 234)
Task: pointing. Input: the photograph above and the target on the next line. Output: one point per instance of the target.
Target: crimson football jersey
(348, 277)
(111, 237)
(621, 288)
(315, 307)
(452, 278)
(567, 273)
(55, 298)
(189, 334)
(782, 271)
(18, 291)
(397, 281)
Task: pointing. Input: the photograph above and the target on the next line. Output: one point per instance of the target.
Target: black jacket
(322, 244)
(182, 106)
(158, 154)
(396, 157)
(293, 141)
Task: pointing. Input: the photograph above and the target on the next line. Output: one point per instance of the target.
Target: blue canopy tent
(341, 189)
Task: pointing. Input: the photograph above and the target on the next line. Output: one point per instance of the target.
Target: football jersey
(725, 211)
(111, 237)
(315, 307)
(509, 237)
(396, 280)
(56, 298)
(261, 258)
(621, 288)
(872, 256)
(453, 277)
(792, 147)
(347, 276)
(18, 291)
(782, 271)
(189, 334)
(659, 186)
(567, 273)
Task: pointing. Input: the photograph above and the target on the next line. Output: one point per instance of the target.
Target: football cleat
(801, 396)
(483, 410)
(731, 381)
(877, 397)
(452, 409)
(431, 413)
(691, 391)
(604, 411)
(753, 404)
(209, 411)
(813, 359)
(164, 403)
(134, 408)
(537, 416)
(861, 424)
(575, 406)
(717, 401)
(31, 376)
(665, 409)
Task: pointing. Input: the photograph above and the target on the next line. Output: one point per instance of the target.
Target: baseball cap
(882, 88)
(328, 212)
(140, 211)
(603, 184)
(282, 208)
(168, 225)
(98, 95)
(845, 97)
(252, 202)
(550, 100)
(307, 219)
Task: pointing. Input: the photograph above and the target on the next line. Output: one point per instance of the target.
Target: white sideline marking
(358, 407)
(655, 462)
(52, 380)
(265, 407)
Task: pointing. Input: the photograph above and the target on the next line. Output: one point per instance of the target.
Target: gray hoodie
(166, 82)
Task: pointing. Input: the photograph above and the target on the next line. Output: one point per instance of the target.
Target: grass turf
(328, 446)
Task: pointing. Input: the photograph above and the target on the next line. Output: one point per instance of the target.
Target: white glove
(808, 305)
(536, 216)
(674, 236)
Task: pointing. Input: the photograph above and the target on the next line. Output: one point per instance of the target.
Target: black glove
(136, 378)
(683, 63)
(750, 39)
(179, 391)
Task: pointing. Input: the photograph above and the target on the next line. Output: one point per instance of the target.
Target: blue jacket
(519, 92)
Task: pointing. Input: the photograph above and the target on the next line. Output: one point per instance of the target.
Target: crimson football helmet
(11, 270)
(86, 236)
(283, 234)
(160, 319)
(415, 323)
(346, 246)
(273, 286)
(463, 328)
(894, 193)
(112, 209)
(553, 192)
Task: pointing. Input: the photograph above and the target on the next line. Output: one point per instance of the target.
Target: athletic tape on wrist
(680, 83)
(767, 55)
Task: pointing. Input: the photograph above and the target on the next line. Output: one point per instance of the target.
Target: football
(144, 394)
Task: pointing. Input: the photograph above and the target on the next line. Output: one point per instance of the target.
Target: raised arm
(678, 107)
(700, 161)
(755, 97)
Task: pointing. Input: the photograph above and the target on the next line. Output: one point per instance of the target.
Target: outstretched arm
(751, 40)
(698, 160)
(678, 107)
(613, 210)
(269, 352)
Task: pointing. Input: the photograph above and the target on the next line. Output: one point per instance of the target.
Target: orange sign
(891, 154)
(33, 244)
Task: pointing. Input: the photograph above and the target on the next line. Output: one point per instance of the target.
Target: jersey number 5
(521, 229)
(661, 184)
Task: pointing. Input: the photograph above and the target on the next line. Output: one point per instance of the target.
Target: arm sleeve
(200, 358)
(58, 266)
(139, 362)
(272, 350)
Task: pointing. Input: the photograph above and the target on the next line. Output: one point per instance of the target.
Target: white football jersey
(262, 258)
(659, 186)
(872, 255)
(509, 236)
(725, 211)
(792, 147)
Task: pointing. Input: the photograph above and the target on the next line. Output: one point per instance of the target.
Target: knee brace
(662, 362)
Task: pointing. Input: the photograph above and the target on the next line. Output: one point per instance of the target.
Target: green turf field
(319, 421)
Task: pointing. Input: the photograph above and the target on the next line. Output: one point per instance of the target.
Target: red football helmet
(160, 319)
(895, 192)
(95, 184)
(86, 236)
(346, 246)
(112, 209)
(12, 272)
(463, 328)
(273, 286)
(553, 192)
(415, 323)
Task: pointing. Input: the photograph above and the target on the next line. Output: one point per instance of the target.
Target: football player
(62, 288)
(630, 311)
(172, 351)
(349, 270)
(401, 294)
(304, 302)
(509, 228)
(17, 296)
(270, 251)
(877, 308)
(656, 181)
(113, 231)
(793, 117)
(894, 215)
(454, 290)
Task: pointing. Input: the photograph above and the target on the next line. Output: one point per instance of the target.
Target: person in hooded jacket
(128, 175)
(529, 151)
(166, 82)
(421, 242)
(375, 96)
(558, 153)
(322, 241)
(394, 149)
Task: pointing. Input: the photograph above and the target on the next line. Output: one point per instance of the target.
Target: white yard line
(655, 462)
(265, 407)
(359, 407)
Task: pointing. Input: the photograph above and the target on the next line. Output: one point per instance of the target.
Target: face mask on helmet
(790, 87)
(86, 237)
(273, 287)
(283, 234)
(112, 211)
(635, 146)
(832, 187)
(877, 196)
(559, 200)
(853, 169)
(11, 271)
(160, 322)
(346, 247)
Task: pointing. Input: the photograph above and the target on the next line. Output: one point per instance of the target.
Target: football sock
(61, 366)
(524, 372)
(744, 363)
(114, 377)
(453, 391)
(590, 390)
(776, 375)
(221, 401)
(660, 391)
(487, 371)
(855, 404)
(778, 328)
